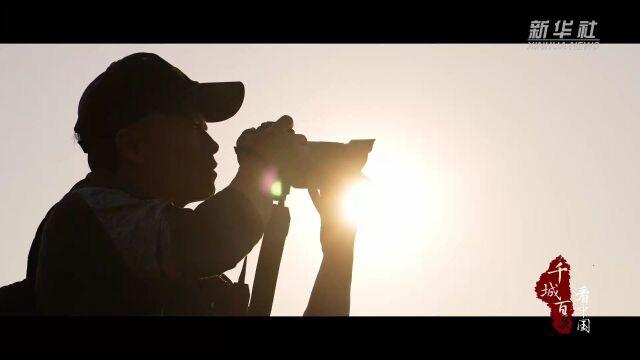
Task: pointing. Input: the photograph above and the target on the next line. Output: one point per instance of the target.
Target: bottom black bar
(361, 334)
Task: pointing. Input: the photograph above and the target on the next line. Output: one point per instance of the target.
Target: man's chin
(201, 195)
(206, 193)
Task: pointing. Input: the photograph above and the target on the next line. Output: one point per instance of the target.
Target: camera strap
(266, 276)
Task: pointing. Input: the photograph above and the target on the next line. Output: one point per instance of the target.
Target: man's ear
(130, 145)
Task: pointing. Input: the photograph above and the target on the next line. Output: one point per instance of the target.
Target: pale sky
(490, 161)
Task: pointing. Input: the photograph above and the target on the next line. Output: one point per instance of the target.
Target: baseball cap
(144, 83)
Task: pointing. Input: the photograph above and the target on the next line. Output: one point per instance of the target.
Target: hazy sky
(490, 161)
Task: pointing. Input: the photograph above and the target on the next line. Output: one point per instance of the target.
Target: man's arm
(223, 229)
(331, 294)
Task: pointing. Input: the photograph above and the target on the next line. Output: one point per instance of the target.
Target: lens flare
(270, 182)
(276, 188)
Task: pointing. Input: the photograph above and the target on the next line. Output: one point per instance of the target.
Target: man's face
(178, 158)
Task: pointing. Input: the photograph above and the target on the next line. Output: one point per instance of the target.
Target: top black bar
(313, 23)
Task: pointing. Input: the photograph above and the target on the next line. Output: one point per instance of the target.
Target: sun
(398, 208)
(357, 202)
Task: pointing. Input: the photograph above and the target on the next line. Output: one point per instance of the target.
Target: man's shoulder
(90, 218)
(71, 211)
(112, 208)
(68, 232)
(71, 203)
(97, 197)
(79, 207)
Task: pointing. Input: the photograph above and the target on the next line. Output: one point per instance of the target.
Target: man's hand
(272, 150)
(273, 145)
(337, 234)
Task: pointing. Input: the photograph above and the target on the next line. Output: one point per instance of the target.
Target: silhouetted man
(121, 240)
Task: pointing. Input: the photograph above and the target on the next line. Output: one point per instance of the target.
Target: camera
(327, 163)
(318, 164)
(323, 165)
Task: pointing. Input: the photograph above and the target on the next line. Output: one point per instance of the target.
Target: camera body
(325, 164)
(329, 162)
(320, 164)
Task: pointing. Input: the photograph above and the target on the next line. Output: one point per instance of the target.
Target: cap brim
(219, 101)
